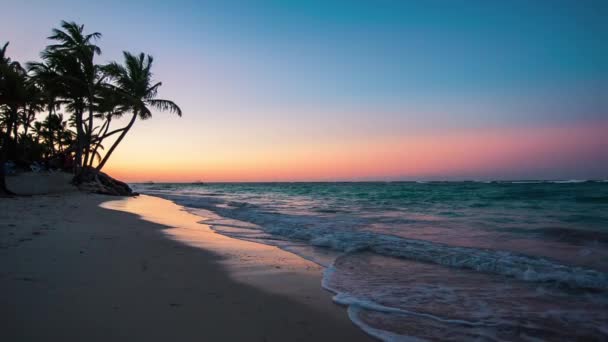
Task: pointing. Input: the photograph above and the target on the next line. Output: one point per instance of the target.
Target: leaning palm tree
(109, 106)
(137, 91)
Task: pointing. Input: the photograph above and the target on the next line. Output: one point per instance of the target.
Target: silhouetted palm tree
(68, 80)
(73, 60)
(135, 87)
(12, 98)
(110, 105)
(46, 79)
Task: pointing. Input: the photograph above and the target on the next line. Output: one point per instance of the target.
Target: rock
(100, 183)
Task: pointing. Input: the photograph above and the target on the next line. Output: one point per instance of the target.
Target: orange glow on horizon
(457, 154)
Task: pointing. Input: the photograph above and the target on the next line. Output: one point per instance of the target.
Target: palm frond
(165, 105)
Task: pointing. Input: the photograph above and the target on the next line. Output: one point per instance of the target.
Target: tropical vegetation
(57, 113)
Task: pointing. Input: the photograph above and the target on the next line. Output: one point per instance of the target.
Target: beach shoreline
(90, 267)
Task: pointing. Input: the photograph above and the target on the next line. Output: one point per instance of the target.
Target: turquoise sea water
(438, 260)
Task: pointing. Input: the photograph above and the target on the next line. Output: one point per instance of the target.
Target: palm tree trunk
(16, 125)
(10, 145)
(79, 142)
(98, 139)
(7, 148)
(104, 128)
(89, 133)
(30, 117)
(26, 126)
(122, 135)
(5, 136)
(51, 143)
(15, 131)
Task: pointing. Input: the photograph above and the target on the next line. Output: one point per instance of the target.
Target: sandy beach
(304, 171)
(83, 267)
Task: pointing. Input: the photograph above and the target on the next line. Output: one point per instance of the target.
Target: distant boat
(198, 183)
(149, 183)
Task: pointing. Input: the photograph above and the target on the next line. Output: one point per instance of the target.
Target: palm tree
(73, 61)
(45, 78)
(12, 97)
(109, 106)
(35, 100)
(137, 91)
(13, 92)
(68, 80)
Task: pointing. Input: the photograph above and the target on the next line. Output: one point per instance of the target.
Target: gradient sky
(354, 90)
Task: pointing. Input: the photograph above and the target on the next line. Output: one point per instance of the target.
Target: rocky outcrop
(100, 183)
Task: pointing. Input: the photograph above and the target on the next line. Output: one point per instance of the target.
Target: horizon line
(381, 181)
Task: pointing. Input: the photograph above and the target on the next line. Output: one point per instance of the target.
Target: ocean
(435, 260)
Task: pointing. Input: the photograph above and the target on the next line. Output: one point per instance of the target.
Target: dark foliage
(57, 113)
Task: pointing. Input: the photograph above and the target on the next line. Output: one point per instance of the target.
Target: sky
(353, 90)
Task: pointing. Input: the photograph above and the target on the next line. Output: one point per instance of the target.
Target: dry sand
(71, 270)
(39, 183)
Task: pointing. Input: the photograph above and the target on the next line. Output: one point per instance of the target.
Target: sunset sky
(353, 90)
